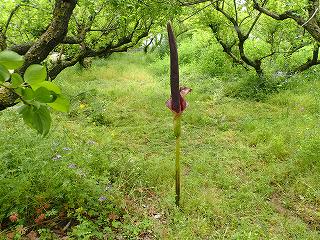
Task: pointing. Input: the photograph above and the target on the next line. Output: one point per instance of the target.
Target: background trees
(75, 30)
(82, 29)
(252, 34)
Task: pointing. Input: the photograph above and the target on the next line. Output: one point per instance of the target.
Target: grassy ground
(251, 170)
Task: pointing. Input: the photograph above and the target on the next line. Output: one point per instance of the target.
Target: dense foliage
(252, 34)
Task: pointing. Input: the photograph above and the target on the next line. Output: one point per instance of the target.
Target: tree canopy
(252, 31)
(76, 29)
(80, 29)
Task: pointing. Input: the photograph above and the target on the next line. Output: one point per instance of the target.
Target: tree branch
(255, 21)
(122, 45)
(21, 49)
(196, 12)
(256, 64)
(311, 62)
(53, 36)
(192, 3)
(227, 48)
(16, 8)
(311, 25)
(235, 10)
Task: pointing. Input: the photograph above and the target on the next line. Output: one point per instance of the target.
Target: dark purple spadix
(176, 103)
(174, 71)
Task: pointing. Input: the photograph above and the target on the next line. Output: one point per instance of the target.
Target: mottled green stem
(177, 133)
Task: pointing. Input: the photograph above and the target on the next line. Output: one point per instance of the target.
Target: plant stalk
(177, 133)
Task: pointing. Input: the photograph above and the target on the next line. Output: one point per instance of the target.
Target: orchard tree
(75, 29)
(305, 14)
(249, 36)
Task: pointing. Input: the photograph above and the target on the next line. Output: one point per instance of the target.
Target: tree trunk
(3, 44)
(54, 35)
(7, 98)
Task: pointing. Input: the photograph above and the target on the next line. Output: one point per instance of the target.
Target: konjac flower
(182, 102)
(176, 103)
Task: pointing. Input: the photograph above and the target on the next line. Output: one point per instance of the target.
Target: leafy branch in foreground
(32, 90)
(177, 104)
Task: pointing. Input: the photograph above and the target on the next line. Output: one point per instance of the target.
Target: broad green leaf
(10, 59)
(44, 119)
(35, 74)
(27, 94)
(16, 80)
(4, 74)
(27, 114)
(19, 91)
(61, 104)
(48, 85)
(37, 118)
(35, 103)
(43, 95)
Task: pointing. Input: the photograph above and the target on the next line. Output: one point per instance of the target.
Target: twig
(315, 12)
(196, 12)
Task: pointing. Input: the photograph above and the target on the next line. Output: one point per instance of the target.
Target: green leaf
(43, 95)
(61, 104)
(27, 114)
(35, 74)
(19, 91)
(48, 85)
(4, 74)
(35, 104)
(16, 80)
(10, 59)
(37, 118)
(27, 93)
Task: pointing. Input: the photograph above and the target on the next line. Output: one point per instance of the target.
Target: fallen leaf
(32, 235)
(10, 235)
(113, 216)
(40, 218)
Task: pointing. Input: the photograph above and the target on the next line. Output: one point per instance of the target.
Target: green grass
(250, 169)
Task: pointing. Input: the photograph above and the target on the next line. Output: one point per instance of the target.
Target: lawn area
(251, 170)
